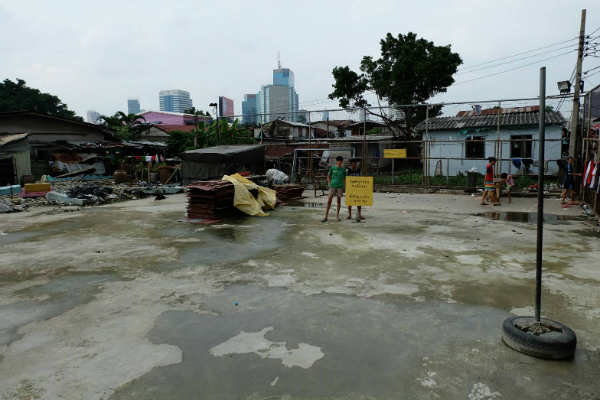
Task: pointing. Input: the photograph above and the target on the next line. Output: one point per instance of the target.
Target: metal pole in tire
(536, 336)
(540, 216)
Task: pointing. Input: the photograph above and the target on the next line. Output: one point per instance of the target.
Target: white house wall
(459, 164)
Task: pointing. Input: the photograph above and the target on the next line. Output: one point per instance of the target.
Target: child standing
(335, 179)
(568, 181)
(490, 186)
(354, 170)
(509, 183)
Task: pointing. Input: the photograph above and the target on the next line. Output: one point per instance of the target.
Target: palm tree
(126, 126)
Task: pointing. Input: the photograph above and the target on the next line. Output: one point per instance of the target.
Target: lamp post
(216, 107)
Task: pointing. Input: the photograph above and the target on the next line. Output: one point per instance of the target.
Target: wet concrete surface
(125, 302)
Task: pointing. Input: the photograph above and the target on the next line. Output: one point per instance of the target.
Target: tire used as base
(555, 346)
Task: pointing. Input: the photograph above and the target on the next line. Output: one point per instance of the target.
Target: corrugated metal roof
(491, 120)
(6, 139)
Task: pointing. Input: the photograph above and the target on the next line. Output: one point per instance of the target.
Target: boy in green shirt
(335, 178)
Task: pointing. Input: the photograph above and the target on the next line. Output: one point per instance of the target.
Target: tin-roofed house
(458, 144)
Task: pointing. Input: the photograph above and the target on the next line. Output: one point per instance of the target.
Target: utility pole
(575, 113)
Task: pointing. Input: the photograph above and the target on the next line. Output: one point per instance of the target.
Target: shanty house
(282, 130)
(335, 127)
(160, 133)
(14, 158)
(214, 162)
(458, 144)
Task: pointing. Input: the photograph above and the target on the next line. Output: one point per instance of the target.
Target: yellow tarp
(244, 201)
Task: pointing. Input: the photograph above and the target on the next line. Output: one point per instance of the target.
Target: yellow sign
(394, 153)
(359, 191)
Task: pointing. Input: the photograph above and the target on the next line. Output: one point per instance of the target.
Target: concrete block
(63, 198)
(37, 187)
(5, 190)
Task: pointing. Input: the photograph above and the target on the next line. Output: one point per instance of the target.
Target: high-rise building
(133, 105)
(325, 115)
(250, 109)
(92, 116)
(225, 107)
(278, 102)
(283, 77)
(174, 100)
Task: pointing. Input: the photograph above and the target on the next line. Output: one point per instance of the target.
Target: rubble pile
(211, 200)
(290, 192)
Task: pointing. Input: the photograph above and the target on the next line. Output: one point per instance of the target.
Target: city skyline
(75, 53)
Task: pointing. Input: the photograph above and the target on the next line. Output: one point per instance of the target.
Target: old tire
(551, 345)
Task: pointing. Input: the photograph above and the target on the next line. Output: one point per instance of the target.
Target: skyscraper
(280, 99)
(174, 100)
(225, 107)
(283, 77)
(279, 102)
(133, 105)
(92, 116)
(249, 109)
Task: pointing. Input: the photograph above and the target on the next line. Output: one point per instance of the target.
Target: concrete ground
(125, 302)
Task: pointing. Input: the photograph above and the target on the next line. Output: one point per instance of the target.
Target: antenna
(278, 60)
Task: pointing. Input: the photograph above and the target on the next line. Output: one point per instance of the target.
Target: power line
(519, 54)
(518, 59)
(512, 69)
(591, 69)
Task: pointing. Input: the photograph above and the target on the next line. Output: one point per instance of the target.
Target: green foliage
(374, 131)
(178, 142)
(208, 136)
(410, 71)
(16, 96)
(549, 108)
(123, 133)
(126, 126)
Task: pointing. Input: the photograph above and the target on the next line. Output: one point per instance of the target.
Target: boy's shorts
(339, 192)
(490, 186)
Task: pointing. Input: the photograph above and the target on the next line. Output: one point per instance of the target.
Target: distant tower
(133, 105)
(278, 60)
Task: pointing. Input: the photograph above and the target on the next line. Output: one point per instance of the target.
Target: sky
(96, 55)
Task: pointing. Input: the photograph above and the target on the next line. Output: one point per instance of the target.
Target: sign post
(393, 154)
(359, 190)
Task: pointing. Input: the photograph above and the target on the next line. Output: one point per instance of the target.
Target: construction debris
(289, 192)
(211, 200)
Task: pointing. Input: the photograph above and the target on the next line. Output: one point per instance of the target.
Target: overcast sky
(97, 54)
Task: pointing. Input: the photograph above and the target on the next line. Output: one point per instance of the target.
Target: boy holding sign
(335, 179)
(354, 171)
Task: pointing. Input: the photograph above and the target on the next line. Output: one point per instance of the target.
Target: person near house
(354, 170)
(568, 182)
(335, 178)
(490, 185)
(564, 148)
(510, 183)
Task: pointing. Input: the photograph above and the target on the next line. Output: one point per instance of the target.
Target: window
(520, 146)
(475, 147)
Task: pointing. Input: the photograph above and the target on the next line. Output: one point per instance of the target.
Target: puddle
(529, 218)
(298, 203)
(62, 294)
(276, 333)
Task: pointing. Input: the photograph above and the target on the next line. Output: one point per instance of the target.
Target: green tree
(17, 96)
(410, 71)
(126, 126)
(179, 141)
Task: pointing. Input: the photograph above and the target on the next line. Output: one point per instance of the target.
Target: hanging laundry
(162, 159)
(517, 163)
(148, 159)
(138, 158)
(594, 175)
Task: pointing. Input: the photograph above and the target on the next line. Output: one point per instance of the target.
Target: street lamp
(216, 107)
(564, 87)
